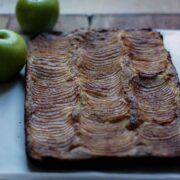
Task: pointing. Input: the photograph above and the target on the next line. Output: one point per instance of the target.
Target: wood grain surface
(69, 23)
(3, 21)
(157, 21)
(65, 23)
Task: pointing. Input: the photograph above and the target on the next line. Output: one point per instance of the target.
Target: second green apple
(37, 16)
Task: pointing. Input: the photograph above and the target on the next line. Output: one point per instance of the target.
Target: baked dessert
(101, 93)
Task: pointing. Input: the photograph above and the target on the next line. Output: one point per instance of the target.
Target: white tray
(13, 160)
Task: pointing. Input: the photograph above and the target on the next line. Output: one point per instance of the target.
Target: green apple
(37, 16)
(13, 53)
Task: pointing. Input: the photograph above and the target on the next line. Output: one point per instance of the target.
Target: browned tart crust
(106, 93)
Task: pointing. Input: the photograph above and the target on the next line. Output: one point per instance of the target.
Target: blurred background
(107, 6)
(155, 14)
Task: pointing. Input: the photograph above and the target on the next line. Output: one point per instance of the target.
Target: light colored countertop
(106, 6)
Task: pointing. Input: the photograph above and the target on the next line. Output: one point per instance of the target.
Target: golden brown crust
(101, 93)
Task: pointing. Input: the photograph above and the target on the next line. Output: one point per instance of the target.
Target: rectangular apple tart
(101, 93)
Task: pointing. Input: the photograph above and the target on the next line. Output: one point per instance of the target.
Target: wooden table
(71, 22)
